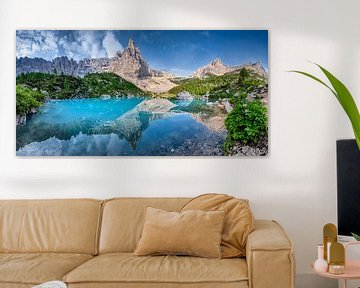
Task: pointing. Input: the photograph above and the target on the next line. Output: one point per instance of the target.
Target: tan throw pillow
(196, 233)
(239, 220)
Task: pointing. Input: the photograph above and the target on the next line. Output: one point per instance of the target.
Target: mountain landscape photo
(142, 93)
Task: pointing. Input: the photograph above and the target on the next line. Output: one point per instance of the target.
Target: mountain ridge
(217, 68)
(130, 65)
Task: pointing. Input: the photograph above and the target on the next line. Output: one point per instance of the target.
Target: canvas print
(142, 93)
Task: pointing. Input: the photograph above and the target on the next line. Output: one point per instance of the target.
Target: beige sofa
(89, 243)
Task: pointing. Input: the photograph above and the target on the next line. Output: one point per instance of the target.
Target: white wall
(295, 185)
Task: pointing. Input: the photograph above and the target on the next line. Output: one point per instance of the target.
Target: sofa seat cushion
(36, 268)
(127, 268)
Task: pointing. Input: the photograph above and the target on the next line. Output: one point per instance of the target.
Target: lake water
(104, 127)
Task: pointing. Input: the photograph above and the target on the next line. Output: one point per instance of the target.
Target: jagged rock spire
(130, 64)
(216, 61)
(131, 44)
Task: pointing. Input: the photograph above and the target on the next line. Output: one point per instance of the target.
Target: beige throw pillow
(196, 233)
(239, 220)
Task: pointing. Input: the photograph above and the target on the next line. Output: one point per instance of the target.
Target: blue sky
(177, 51)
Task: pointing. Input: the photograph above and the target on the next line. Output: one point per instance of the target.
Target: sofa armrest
(269, 256)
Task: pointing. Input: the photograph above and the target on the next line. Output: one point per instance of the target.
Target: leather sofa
(89, 243)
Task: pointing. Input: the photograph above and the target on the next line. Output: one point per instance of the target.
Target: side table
(352, 268)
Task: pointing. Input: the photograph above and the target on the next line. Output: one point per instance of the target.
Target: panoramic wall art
(142, 93)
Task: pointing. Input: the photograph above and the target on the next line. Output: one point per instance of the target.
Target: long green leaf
(347, 102)
(357, 237)
(316, 79)
(344, 97)
(357, 137)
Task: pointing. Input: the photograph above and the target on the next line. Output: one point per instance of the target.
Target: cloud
(29, 43)
(82, 44)
(111, 44)
(78, 44)
(90, 42)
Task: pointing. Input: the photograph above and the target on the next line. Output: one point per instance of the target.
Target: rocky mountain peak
(256, 66)
(130, 65)
(217, 62)
(215, 67)
(131, 51)
(131, 44)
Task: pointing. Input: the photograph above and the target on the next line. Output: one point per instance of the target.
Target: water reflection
(116, 128)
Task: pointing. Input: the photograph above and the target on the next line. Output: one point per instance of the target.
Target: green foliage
(26, 99)
(356, 236)
(231, 85)
(55, 86)
(244, 73)
(67, 86)
(245, 79)
(98, 84)
(246, 123)
(344, 97)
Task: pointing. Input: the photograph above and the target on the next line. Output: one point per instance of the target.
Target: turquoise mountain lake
(103, 127)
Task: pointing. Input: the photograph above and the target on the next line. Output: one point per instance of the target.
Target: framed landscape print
(142, 93)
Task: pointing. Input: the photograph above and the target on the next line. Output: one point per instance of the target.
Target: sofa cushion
(126, 268)
(194, 232)
(239, 220)
(123, 220)
(62, 226)
(36, 268)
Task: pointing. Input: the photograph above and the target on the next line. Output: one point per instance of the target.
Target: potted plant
(345, 99)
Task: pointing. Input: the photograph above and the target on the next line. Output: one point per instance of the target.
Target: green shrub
(67, 86)
(243, 74)
(56, 86)
(26, 99)
(246, 123)
(107, 83)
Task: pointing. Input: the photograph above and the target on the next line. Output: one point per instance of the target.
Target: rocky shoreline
(199, 146)
(21, 119)
(259, 149)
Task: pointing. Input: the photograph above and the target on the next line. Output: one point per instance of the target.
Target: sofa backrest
(67, 226)
(123, 220)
